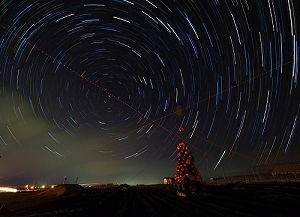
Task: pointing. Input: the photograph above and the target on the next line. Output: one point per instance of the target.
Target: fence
(281, 172)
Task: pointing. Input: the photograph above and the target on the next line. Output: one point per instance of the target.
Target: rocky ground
(272, 199)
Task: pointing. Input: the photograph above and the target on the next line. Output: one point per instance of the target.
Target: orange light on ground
(7, 189)
(32, 187)
(43, 186)
(52, 186)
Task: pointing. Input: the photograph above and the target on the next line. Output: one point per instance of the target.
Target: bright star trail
(98, 89)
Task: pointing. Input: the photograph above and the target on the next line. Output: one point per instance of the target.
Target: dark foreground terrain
(274, 199)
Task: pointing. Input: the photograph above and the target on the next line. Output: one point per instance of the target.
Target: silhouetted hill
(64, 189)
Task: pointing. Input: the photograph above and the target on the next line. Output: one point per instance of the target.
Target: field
(273, 199)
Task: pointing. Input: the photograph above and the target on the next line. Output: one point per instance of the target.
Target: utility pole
(207, 169)
(223, 173)
(65, 179)
(253, 174)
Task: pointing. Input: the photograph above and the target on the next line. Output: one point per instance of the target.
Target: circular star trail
(111, 82)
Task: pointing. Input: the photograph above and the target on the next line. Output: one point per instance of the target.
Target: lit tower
(187, 175)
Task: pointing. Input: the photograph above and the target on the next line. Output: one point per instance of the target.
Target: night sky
(98, 89)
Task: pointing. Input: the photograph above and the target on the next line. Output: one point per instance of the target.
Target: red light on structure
(181, 129)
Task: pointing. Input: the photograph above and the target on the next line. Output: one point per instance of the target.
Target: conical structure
(186, 168)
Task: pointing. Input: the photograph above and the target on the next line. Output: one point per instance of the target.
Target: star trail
(98, 89)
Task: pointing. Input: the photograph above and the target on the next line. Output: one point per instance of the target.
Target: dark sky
(98, 89)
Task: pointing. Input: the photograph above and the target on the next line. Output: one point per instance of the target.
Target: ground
(272, 199)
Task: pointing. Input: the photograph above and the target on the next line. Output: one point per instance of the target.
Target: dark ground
(273, 199)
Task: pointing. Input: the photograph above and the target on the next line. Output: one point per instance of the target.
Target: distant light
(43, 186)
(7, 189)
(32, 187)
(52, 186)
